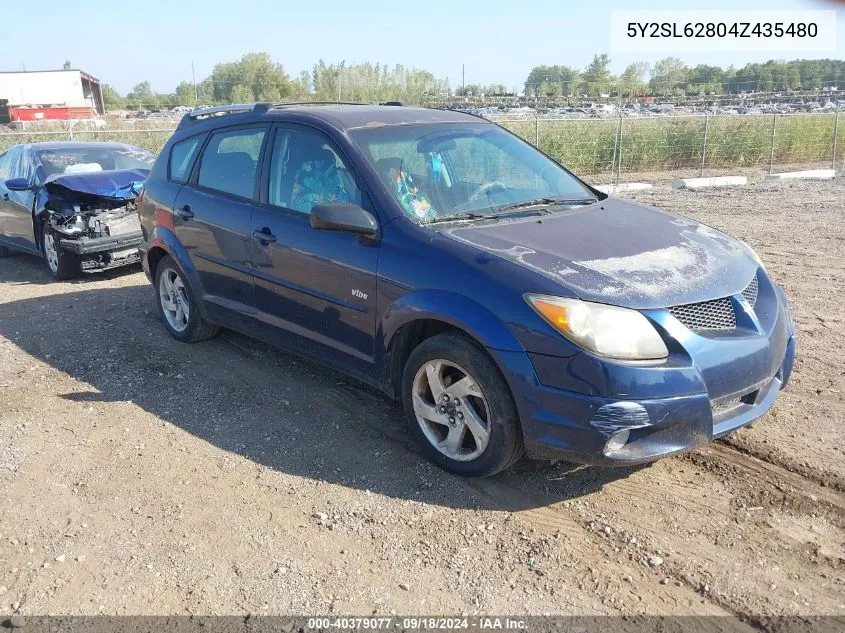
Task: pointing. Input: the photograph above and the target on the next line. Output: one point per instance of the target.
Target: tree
(111, 99)
(255, 76)
(704, 79)
(67, 65)
(597, 77)
(632, 80)
(552, 81)
(667, 75)
(185, 94)
(141, 96)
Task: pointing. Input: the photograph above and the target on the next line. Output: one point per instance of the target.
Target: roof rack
(223, 110)
(232, 108)
(287, 104)
(260, 108)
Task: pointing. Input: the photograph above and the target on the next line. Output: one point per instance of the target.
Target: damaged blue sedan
(512, 308)
(73, 203)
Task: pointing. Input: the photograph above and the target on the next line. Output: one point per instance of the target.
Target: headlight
(606, 330)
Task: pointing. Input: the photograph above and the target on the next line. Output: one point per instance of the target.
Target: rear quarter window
(182, 156)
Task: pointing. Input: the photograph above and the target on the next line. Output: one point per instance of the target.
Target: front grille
(714, 315)
(751, 290)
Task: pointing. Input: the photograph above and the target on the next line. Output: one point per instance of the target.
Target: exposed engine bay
(93, 215)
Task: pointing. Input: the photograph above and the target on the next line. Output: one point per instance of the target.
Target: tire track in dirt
(793, 490)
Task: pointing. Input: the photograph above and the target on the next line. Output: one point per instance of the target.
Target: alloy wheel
(451, 410)
(50, 252)
(174, 300)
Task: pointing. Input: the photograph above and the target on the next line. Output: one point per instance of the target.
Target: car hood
(117, 184)
(619, 252)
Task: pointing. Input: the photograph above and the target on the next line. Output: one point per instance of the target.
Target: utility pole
(463, 81)
(340, 79)
(194, 76)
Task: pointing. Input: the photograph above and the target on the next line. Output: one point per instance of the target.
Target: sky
(497, 41)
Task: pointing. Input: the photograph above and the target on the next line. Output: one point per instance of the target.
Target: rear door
(317, 285)
(213, 215)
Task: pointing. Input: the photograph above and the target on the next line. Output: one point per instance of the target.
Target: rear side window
(182, 156)
(230, 161)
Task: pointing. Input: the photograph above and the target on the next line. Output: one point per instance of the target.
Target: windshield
(455, 171)
(81, 160)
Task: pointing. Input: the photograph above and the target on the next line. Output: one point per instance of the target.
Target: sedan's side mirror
(343, 216)
(19, 184)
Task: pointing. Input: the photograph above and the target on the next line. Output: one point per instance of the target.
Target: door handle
(185, 212)
(264, 236)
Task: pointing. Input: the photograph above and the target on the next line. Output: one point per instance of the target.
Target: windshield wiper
(536, 202)
(455, 217)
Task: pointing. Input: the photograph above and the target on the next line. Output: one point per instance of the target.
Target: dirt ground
(143, 476)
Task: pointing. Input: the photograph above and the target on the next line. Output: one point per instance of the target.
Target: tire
(61, 264)
(453, 357)
(190, 327)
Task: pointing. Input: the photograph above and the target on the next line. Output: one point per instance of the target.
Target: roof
(344, 116)
(358, 116)
(57, 70)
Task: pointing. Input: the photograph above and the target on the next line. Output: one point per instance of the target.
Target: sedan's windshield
(85, 159)
(442, 172)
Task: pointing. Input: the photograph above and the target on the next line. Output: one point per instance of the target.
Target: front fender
(452, 308)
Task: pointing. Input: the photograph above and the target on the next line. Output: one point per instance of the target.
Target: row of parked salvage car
(510, 306)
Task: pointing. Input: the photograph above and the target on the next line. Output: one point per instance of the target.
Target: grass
(596, 146)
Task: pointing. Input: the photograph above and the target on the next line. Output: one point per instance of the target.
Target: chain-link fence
(610, 150)
(613, 149)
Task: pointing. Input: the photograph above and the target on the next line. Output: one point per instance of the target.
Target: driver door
(16, 207)
(318, 286)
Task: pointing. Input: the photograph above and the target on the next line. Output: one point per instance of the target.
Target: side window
(305, 170)
(230, 161)
(182, 156)
(23, 168)
(9, 162)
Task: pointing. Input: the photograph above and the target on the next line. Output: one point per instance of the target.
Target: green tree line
(672, 77)
(256, 77)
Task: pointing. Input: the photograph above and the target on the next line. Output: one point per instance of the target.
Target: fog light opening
(616, 442)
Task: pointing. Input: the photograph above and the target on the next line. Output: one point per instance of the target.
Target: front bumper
(90, 245)
(707, 388)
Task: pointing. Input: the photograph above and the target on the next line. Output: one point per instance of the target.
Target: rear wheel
(61, 264)
(459, 407)
(178, 306)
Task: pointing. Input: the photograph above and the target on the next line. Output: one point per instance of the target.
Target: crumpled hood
(621, 253)
(118, 184)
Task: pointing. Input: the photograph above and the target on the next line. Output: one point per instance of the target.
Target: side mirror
(343, 216)
(19, 184)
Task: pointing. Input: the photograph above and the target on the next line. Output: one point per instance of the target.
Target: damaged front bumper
(103, 253)
(88, 245)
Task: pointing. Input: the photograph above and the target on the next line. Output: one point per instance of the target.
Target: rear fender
(165, 239)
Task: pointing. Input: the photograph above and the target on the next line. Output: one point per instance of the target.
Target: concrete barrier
(716, 181)
(810, 173)
(624, 186)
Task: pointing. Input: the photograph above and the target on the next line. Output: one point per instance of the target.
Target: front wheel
(178, 306)
(61, 264)
(459, 407)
